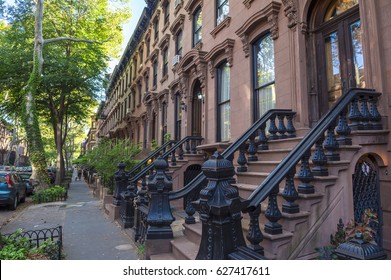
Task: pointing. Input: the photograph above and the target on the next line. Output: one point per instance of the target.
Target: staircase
(308, 216)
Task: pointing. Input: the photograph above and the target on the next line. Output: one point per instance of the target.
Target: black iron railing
(280, 126)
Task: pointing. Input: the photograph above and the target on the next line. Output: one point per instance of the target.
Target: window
(141, 53)
(130, 74)
(165, 62)
(264, 88)
(148, 42)
(178, 43)
(155, 66)
(166, 12)
(222, 10)
(156, 28)
(133, 100)
(178, 116)
(146, 83)
(140, 93)
(197, 26)
(223, 103)
(164, 121)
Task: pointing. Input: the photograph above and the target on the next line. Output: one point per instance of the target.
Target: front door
(339, 51)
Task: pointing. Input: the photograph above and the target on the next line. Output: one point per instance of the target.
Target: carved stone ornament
(247, 3)
(222, 51)
(290, 10)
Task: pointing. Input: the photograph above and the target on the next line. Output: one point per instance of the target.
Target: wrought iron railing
(37, 237)
(245, 144)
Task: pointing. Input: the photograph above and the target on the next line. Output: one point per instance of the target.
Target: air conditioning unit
(177, 3)
(176, 59)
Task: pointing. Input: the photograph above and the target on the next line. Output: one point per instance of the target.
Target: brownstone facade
(211, 68)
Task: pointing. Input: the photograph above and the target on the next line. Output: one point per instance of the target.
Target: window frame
(219, 103)
(220, 12)
(179, 42)
(197, 13)
(155, 72)
(165, 62)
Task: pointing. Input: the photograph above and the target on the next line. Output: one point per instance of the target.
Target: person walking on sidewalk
(79, 172)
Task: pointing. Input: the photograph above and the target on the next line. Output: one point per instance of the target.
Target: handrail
(150, 156)
(229, 152)
(164, 155)
(280, 172)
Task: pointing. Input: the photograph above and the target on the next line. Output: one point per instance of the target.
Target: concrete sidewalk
(88, 234)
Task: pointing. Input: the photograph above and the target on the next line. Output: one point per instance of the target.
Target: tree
(82, 34)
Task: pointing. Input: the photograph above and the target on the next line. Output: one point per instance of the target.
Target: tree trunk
(30, 118)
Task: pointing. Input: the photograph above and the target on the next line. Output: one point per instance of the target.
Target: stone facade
(160, 88)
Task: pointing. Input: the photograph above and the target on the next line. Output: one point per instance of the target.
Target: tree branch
(53, 40)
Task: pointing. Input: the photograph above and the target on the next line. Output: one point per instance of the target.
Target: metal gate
(366, 193)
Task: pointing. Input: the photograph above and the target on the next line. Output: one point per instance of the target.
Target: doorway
(339, 53)
(196, 116)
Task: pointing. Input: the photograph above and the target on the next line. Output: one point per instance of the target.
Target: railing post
(273, 128)
(331, 145)
(354, 115)
(262, 139)
(220, 211)
(290, 129)
(375, 116)
(365, 116)
(281, 127)
(290, 194)
(242, 161)
(252, 149)
(273, 213)
(121, 181)
(319, 159)
(254, 235)
(343, 130)
(159, 217)
(305, 175)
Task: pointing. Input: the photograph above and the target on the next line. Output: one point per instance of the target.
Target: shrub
(50, 194)
(16, 247)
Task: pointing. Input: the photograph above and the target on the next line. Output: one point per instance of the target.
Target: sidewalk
(88, 234)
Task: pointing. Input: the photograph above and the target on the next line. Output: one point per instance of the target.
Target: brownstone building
(212, 68)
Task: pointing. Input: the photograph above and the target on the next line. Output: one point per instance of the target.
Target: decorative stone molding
(174, 87)
(146, 72)
(191, 6)
(269, 14)
(247, 3)
(177, 24)
(164, 78)
(225, 50)
(164, 42)
(225, 23)
(290, 9)
(154, 54)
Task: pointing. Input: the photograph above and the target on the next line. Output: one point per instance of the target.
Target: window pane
(338, 7)
(264, 50)
(224, 83)
(333, 67)
(358, 58)
(266, 99)
(222, 10)
(225, 121)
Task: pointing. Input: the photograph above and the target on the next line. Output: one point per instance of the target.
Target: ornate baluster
(254, 235)
(242, 161)
(331, 145)
(180, 152)
(354, 115)
(365, 116)
(290, 129)
(159, 216)
(262, 139)
(220, 211)
(281, 127)
(273, 128)
(343, 130)
(252, 150)
(173, 158)
(194, 146)
(305, 175)
(187, 146)
(319, 159)
(290, 194)
(273, 214)
(375, 116)
(121, 181)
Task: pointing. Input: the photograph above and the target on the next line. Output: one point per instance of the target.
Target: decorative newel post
(121, 182)
(159, 216)
(220, 211)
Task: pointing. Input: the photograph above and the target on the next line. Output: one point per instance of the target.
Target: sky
(137, 7)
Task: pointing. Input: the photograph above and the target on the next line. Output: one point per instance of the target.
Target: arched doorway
(338, 50)
(196, 110)
(366, 193)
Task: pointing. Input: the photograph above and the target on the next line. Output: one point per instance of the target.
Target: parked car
(29, 182)
(12, 189)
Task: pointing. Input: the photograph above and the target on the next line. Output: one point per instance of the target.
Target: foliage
(154, 145)
(48, 194)
(16, 247)
(105, 157)
(345, 234)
